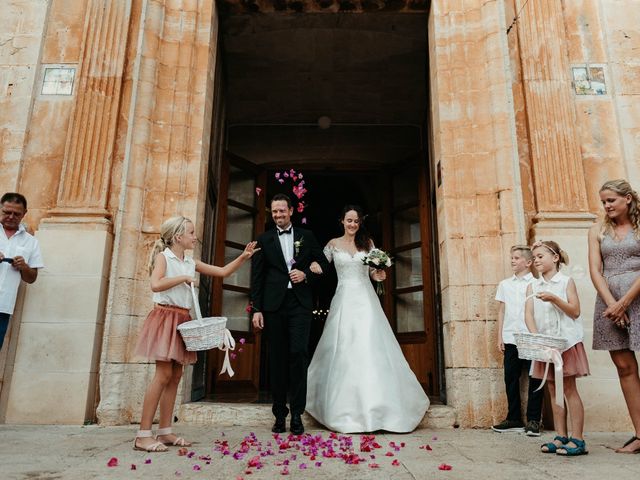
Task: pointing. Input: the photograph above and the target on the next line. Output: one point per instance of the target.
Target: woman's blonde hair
(554, 248)
(621, 187)
(169, 230)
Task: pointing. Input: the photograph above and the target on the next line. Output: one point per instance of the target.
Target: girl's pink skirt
(574, 360)
(160, 339)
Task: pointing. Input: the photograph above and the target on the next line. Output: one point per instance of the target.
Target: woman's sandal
(552, 447)
(178, 442)
(153, 447)
(579, 449)
(627, 443)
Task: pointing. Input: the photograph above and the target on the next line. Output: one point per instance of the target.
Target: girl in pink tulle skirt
(172, 272)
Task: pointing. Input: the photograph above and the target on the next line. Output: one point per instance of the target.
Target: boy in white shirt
(512, 294)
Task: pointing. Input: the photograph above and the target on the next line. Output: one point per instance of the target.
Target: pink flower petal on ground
(302, 466)
(434, 438)
(196, 468)
(374, 465)
(395, 463)
(113, 462)
(133, 466)
(318, 464)
(147, 461)
(258, 191)
(242, 340)
(444, 466)
(284, 471)
(178, 473)
(388, 454)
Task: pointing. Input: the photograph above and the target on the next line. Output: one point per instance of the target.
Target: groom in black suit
(282, 301)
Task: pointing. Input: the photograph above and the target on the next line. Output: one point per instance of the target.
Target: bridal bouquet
(377, 259)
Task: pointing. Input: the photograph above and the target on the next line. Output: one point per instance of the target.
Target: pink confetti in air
(113, 462)
(240, 350)
(242, 340)
(304, 220)
(281, 181)
(444, 466)
(133, 466)
(277, 174)
(286, 175)
(300, 175)
(233, 356)
(258, 191)
(147, 461)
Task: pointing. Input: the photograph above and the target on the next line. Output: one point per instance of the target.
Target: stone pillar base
(55, 371)
(604, 406)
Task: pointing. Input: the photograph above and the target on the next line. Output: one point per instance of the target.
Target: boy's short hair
(525, 251)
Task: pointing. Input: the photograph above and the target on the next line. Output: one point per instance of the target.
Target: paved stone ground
(67, 452)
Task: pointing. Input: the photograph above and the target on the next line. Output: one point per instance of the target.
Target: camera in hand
(8, 260)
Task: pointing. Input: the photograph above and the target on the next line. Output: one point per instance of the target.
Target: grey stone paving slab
(67, 452)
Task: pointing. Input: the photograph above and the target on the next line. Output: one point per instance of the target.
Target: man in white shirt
(20, 256)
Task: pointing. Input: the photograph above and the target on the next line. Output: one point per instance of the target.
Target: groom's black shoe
(297, 428)
(280, 425)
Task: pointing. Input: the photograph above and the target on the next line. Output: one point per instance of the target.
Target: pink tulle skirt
(574, 360)
(159, 338)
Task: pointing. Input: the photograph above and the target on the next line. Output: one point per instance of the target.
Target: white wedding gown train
(359, 380)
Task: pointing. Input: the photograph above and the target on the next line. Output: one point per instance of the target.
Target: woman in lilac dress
(614, 264)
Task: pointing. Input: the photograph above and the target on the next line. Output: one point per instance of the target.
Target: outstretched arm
(229, 268)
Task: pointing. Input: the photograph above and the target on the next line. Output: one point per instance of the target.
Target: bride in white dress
(358, 379)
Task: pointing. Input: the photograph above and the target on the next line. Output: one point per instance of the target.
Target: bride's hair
(363, 239)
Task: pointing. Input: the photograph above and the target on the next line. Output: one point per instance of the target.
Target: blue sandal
(552, 447)
(579, 449)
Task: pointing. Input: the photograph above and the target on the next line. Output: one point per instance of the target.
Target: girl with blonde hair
(614, 265)
(171, 272)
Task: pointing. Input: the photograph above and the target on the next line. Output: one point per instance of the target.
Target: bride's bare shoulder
(333, 243)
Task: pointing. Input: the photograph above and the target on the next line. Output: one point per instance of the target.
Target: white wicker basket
(538, 346)
(202, 333)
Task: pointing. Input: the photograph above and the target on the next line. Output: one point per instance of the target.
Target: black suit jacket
(270, 275)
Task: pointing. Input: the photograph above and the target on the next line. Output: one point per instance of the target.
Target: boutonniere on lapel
(296, 247)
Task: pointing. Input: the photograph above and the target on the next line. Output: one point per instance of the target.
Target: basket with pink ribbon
(207, 333)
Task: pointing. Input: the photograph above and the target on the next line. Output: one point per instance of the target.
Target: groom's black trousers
(288, 339)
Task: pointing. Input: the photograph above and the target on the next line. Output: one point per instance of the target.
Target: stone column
(63, 316)
(559, 183)
(555, 149)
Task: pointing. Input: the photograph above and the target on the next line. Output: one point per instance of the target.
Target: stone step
(252, 415)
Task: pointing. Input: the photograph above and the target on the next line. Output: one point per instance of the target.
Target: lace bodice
(622, 256)
(349, 268)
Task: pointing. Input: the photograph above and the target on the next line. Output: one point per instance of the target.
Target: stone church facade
(111, 121)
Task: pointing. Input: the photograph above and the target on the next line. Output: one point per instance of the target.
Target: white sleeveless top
(547, 315)
(180, 295)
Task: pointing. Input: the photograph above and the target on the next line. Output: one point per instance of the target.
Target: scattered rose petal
(444, 466)
(196, 468)
(425, 447)
(395, 463)
(282, 181)
(304, 220)
(133, 466)
(258, 191)
(232, 356)
(178, 473)
(242, 340)
(388, 454)
(374, 465)
(113, 462)
(147, 461)
(284, 471)
(191, 454)
(277, 174)
(240, 350)
(302, 466)
(434, 438)
(318, 464)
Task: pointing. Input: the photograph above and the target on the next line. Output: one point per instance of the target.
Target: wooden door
(410, 304)
(240, 219)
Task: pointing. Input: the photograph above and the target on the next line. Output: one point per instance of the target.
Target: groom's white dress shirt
(286, 243)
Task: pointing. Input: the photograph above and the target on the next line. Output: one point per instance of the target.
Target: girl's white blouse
(180, 295)
(547, 315)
